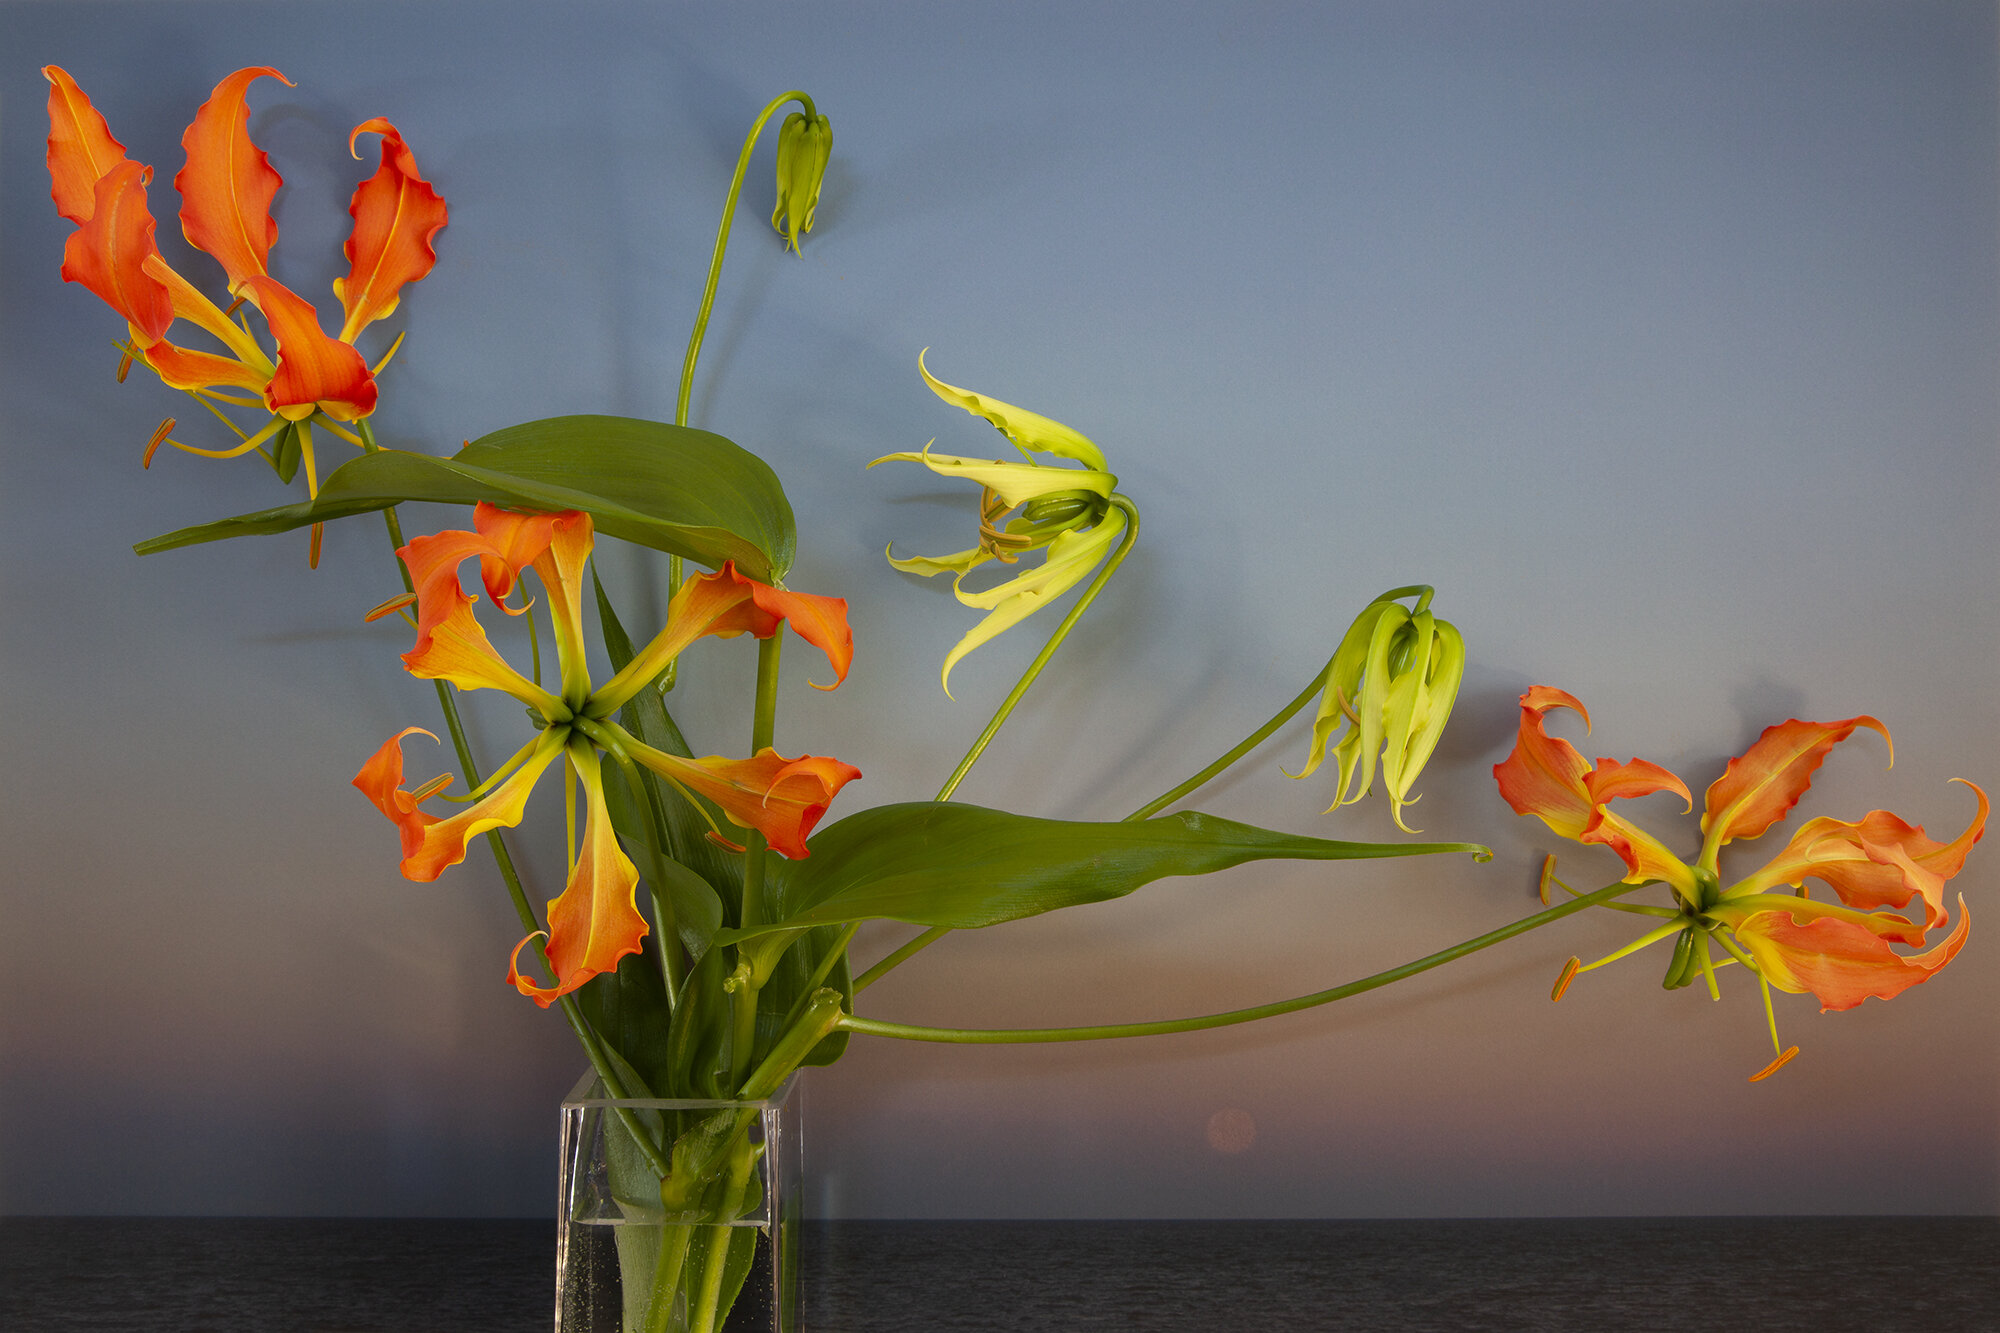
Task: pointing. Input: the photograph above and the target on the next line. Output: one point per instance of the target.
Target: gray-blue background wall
(1660, 337)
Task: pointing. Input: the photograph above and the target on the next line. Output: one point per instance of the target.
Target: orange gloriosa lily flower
(226, 189)
(1837, 951)
(595, 921)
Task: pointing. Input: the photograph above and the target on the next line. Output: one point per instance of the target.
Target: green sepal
(962, 866)
(1685, 966)
(286, 452)
(688, 492)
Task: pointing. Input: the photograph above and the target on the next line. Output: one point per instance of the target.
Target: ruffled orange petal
(443, 842)
(725, 604)
(315, 372)
(595, 922)
(1545, 775)
(1610, 780)
(781, 798)
(1645, 856)
(108, 253)
(453, 646)
(183, 368)
(516, 540)
(396, 213)
(82, 151)
(820, 621)
(1838, 960)
(1765, 782)
(560, 568)
(381, 781)
(1881, 861)
(227, 185)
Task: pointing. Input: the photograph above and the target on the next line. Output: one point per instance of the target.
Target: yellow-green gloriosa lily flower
(1066, 512)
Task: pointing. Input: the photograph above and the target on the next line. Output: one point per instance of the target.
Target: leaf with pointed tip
(688, 492)
(962, 866)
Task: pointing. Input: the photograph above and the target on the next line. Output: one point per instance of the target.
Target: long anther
(431, 788)
(1548, 869)
(394, 604)
(1562, 982)
(1775, 1065)
(159, 437)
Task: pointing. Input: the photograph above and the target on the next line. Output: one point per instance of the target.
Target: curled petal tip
(541, 995)
(1541, 698)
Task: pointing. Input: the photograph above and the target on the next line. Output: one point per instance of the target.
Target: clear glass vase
(710, 1246)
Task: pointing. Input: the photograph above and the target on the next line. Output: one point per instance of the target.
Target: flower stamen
(1775, 1065)
(395, 603)
(159, 436)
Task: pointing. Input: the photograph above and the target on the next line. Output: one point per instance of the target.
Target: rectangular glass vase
(710, 1248)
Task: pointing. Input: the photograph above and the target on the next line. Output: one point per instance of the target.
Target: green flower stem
(705, 1314)
(1083, 602)
(1243, 747)
(763, 728)
(586, 1036)
(674, 1241)
(894, 960)
(821, 1017)
(671, 958)
(722, 245)
(997, 1036)
(820, 970)
(744, 985)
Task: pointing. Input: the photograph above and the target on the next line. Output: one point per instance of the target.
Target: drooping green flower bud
(804, 144)
(1391, 684)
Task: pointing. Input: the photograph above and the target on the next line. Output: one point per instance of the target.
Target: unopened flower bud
(804, 144)
(1391, 684)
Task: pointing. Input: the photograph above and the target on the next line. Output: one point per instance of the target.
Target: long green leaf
(936, 864)
(684, 491)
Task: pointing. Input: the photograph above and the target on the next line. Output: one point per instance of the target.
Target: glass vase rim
(581, 1096)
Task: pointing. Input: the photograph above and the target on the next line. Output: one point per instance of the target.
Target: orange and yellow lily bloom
(595, 921)
(226, 190)
(1838, 951)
